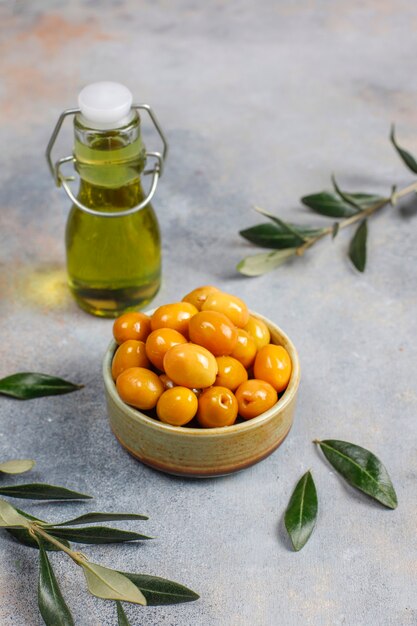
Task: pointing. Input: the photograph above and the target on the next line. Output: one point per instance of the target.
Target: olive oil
(113, 263)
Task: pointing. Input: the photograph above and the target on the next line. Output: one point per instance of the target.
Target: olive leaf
(358, 200)
(23, 536)
(348, 198)
(300, 516)
(121, 616)
(28, 385)
(285, 227)
(159, 591)
(96, 534)
(357, 248)
(101, 517)
(364, 200)
(258, 264)
(361, 469)
(42, 491)
(102, 582)
(274, 236)
(350, 207)
(109, 584)
(408, 158)
(329, 204)
(52, 605)
(16, 466)
(10, 518)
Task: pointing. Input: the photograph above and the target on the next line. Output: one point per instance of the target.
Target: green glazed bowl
(199, 452)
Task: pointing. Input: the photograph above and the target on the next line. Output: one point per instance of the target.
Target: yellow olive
(231, 372)
(259, 331)
(255, 397)
(190, 366)
(233, 307)
(177, 406)
(130, 353)
(214, 331)
(139, 387)
(133, 325)
(245, 349)
(175, 316)
(159, 342)
(199, 296)
(217, 406)
(273, 364)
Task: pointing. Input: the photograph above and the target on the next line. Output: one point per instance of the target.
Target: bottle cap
(105, 104)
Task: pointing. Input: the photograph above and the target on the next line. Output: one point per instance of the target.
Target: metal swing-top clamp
(62, 180)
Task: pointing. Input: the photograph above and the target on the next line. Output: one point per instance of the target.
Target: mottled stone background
(260, 101)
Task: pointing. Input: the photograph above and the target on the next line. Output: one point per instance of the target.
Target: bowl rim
(137, 415)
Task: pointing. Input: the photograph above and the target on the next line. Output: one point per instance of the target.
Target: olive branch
(291, 240)
(102, 582)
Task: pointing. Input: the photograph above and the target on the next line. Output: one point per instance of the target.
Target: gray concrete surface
(260, 101)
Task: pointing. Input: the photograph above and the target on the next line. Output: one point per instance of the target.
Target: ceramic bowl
(202, 452)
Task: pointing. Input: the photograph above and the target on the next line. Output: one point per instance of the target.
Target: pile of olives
(204, 359)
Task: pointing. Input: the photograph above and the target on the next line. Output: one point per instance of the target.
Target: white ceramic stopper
(105, 104)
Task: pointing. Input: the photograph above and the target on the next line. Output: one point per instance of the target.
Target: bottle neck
(110, 158)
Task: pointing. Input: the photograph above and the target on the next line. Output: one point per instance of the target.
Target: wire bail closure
(62, 180)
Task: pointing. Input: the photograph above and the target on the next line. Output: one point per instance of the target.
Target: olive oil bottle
(112, 234)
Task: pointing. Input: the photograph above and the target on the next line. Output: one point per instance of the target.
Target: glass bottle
(112, 234)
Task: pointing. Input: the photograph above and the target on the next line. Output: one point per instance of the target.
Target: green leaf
(90, 518)
(17, 466)
(42, 491)
(27, 385)
(364, 200)
(158, 591)
(357, 248)
(109, 584)
(52, 605)
(301, 513)
(265, 262)
(29, 517)
(361, 469)
(329, 204)
(96, 534)
(121, 616)
(10, 517)
(24, 537)
(273, 236)
(349, 199)
(408, 158)
(285, 227)
(335, 229)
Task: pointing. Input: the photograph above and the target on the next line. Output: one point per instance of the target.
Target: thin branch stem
(406, 190)
(77, 557)
(358, 217)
